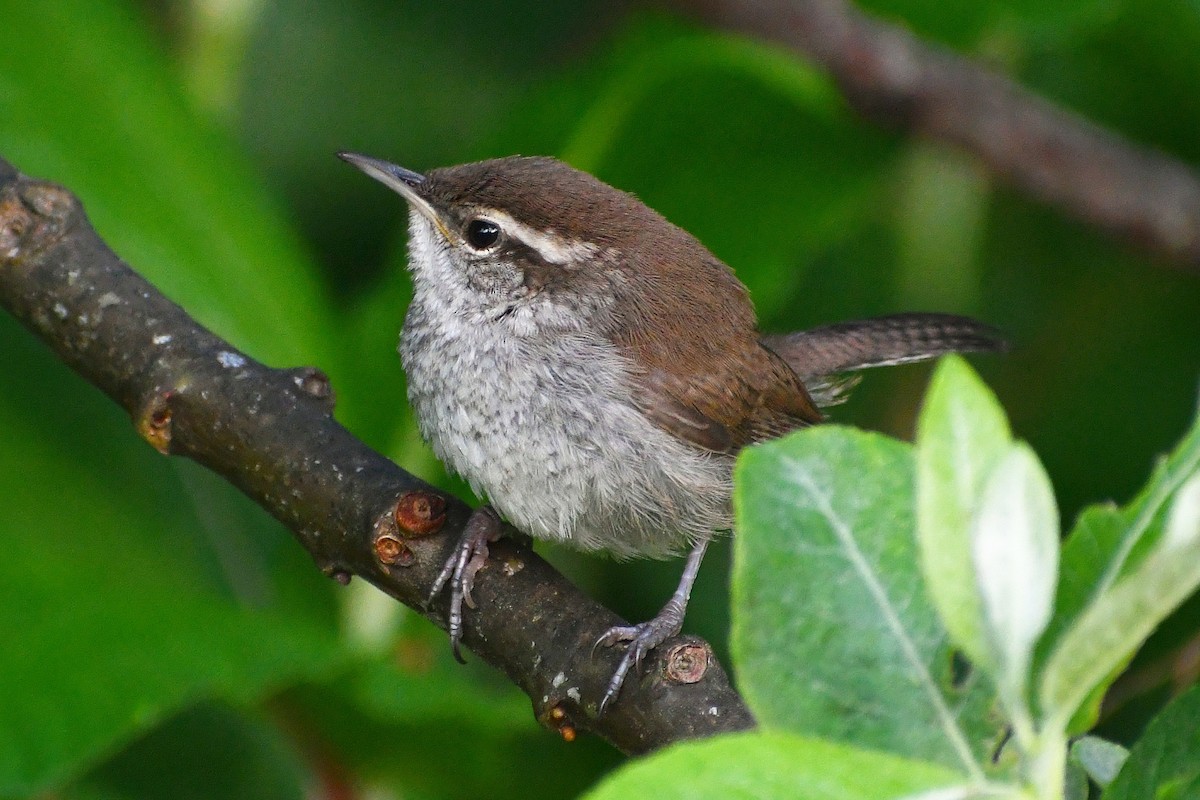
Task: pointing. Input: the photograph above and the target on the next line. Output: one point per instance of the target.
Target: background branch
(271, 433)
(891, 76)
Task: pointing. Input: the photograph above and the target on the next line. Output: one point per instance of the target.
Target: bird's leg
(482, 528)
(648, 635)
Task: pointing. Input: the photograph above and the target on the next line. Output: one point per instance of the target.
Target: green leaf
(1076, 785)
(1107, 543)
(1116, 623)
(404, 724)
(833, 633)
(384, 692)
(87, 100)
(1134, 75)
(1164, 764)
(761, 766)
(122, 604)
(134, 587)
(1143, 520)
(962, 434)
(176, 761)
(1183, 522)
(1015, 548)
(683, 52)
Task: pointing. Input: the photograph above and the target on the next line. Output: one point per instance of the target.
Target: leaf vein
(866, 573)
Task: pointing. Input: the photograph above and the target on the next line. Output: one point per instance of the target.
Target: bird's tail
(821, 355)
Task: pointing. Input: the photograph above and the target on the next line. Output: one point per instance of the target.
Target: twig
(891, 76)
(271, 433)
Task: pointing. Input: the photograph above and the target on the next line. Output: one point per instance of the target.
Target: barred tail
(819, 354)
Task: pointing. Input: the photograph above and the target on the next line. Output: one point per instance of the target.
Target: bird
(593, 370)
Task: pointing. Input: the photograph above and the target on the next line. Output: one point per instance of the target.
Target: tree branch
(271, 433)
(891, 76)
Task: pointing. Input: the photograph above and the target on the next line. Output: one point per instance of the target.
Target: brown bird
(593, 370)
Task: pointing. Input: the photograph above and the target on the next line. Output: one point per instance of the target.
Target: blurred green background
(164, 638)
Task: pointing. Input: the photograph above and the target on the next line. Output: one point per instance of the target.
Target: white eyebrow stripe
(552, 247)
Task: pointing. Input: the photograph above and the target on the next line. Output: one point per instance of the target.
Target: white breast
(541, 426)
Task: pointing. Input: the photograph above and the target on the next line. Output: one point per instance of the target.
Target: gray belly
(542, 431)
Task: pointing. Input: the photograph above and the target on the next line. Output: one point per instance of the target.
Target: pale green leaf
(833, 633)
(1101, 758)
(768, 765)
(1115, 625)
(1109, 542)
(961, 434)
(1015, 546)
(1183, 522)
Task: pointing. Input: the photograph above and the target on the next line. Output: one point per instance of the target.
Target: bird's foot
(482, 528)
(650, 634)
(641, 638)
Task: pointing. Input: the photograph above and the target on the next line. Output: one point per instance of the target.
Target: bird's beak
(403, 182)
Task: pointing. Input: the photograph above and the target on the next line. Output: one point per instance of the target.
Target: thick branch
(271, 433)
(891, 76)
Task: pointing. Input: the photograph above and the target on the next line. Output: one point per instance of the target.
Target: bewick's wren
(593, 370)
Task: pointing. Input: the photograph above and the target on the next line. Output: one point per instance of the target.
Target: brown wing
(727, 408)
(704, 376)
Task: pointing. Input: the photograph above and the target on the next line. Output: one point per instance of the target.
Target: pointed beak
(403, 182)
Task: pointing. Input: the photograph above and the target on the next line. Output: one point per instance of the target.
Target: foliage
(181, 625)
(838, 632)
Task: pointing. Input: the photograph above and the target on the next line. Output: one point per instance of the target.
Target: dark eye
(482, 234)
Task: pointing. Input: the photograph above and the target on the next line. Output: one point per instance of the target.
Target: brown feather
(706, 377)
(683, 318)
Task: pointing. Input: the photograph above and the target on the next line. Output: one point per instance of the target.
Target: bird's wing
(725, 405)
(700, 371)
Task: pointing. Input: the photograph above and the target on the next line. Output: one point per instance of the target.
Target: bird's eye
(482, 233)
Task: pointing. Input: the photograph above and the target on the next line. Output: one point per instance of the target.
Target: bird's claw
(642, 638)
(469, 556)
